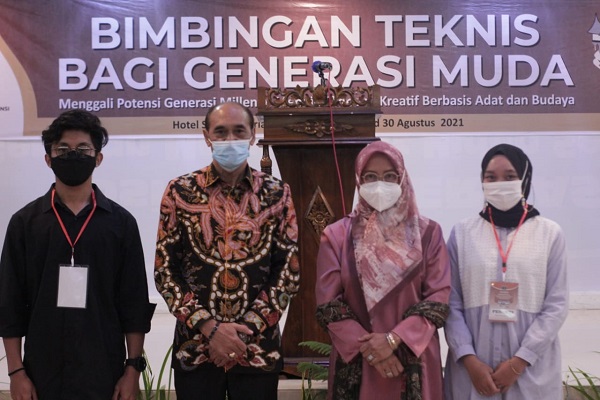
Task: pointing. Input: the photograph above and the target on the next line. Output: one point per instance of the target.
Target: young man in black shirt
(73, 280)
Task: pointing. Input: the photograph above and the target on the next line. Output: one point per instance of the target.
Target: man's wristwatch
(139, 363)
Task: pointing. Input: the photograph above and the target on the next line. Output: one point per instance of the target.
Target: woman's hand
(481, 375)
(391, 367)
(507, 372)
(375, 347)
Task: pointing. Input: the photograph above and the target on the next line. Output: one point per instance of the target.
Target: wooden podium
(297, 126)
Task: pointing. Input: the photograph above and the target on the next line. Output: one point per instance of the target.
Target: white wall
(444, 170)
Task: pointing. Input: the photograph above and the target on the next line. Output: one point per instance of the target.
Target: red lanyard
(62, 225)
(504, 255)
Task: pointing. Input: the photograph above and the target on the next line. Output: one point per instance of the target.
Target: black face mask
(73, 169)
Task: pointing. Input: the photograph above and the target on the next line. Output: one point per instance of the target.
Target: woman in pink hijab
(383, 282)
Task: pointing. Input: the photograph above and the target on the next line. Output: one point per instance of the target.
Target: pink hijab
(387, 244)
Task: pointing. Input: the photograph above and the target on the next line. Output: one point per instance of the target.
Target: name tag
(72, 286)
(504, 297)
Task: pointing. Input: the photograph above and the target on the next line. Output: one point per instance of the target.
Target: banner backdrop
(154, 67)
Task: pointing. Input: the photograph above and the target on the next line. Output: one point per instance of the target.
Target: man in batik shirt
(227, 266)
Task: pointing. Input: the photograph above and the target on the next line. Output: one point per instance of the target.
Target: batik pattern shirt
(229, 254)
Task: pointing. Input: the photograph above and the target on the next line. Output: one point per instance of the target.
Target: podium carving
(297, 126)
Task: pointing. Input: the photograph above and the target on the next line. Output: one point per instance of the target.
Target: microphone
(320, 66)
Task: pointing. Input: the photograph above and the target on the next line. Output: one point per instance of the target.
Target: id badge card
(72, 286)
(504, 297)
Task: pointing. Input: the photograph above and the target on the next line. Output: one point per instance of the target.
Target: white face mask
(380, 195)
(231, 154)
(503, 195)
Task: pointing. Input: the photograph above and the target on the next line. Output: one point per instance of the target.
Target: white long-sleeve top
(537, 261)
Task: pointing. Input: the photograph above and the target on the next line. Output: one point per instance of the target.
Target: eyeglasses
(371, 177)
(80, 151)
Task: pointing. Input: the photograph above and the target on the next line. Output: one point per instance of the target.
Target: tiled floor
(579, 338)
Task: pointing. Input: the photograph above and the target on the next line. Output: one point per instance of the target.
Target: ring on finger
(370, 357)
(231, 355)
(389, 374)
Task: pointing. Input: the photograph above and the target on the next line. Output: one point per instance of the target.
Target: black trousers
(211, 383)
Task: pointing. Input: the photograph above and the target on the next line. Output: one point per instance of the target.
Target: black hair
(75, 120)
(213, 108)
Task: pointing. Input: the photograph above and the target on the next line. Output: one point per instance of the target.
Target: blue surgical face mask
(230, 154)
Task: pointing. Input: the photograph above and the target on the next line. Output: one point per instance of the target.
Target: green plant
(158, 392)
(313, 371)
(585, 384)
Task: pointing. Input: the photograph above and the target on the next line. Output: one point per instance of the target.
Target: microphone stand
(322, 76)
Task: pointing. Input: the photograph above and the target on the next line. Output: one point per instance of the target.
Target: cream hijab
(387, 244)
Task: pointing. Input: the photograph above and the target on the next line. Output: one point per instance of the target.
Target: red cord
(337, 165)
